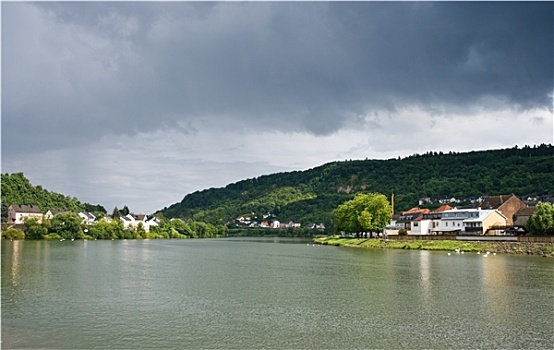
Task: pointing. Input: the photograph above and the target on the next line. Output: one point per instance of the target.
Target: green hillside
(310, 196)
(16, 189)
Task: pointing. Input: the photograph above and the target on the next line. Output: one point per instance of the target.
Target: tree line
(70, 226)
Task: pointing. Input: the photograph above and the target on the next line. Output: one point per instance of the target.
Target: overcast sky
(141, 103)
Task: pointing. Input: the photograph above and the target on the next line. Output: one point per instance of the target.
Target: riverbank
(523, 248)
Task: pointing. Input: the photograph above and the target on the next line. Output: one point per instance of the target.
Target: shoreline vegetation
(521, 248)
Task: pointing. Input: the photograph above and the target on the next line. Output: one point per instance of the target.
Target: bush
(542, 221)
(13, 233)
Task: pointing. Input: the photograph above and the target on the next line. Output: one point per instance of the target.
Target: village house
(404, 222)
(289, 224)
(153, 221)
(521, 217)
(244, 220)
(88, 218)
(127, 220)
(471, 221)
(318, 226)
(408, 217)
(53, 212)
(425, 200)
(425, 224)
(507, 205)
(133, 221)
(17, 213)
(447, 199)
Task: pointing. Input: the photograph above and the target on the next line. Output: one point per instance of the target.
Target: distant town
(492, 215)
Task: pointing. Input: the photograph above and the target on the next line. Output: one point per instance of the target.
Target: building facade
(17, 213)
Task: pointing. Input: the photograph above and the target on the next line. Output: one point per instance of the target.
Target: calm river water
(269, 293)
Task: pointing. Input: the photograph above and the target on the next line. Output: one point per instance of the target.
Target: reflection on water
(425, 274)
(16, 256)
(494, 285)
(260, 293)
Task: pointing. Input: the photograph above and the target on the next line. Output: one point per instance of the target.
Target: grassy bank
(541, 249)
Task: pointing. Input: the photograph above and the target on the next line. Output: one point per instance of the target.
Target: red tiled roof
(442, 208)
(416, 210)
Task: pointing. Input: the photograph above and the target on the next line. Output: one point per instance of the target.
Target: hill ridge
(17, 189)
(309, 196)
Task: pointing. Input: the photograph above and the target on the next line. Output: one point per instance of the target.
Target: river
(272, 293)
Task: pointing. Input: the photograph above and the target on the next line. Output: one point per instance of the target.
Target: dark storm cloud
(73, 72)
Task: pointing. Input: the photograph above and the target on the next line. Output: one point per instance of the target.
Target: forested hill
(17, 189)
(310, 196)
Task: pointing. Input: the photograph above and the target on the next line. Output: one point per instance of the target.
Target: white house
(127, 221)
(290, 224)
(154, 221)
(53, 212)
(486, 222)
(17, 213)
(410, 220)
(472, 221)
(425, 200)
(429, 221)
(133, 221)
(419, 226)
(88, 217)
(320, 226)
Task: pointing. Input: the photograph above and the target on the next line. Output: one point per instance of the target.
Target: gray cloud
(87, 69)
(77, 73)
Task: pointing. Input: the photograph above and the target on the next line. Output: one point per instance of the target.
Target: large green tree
(542, 221)
(36, 229)
(67, 225)
(367, 212)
